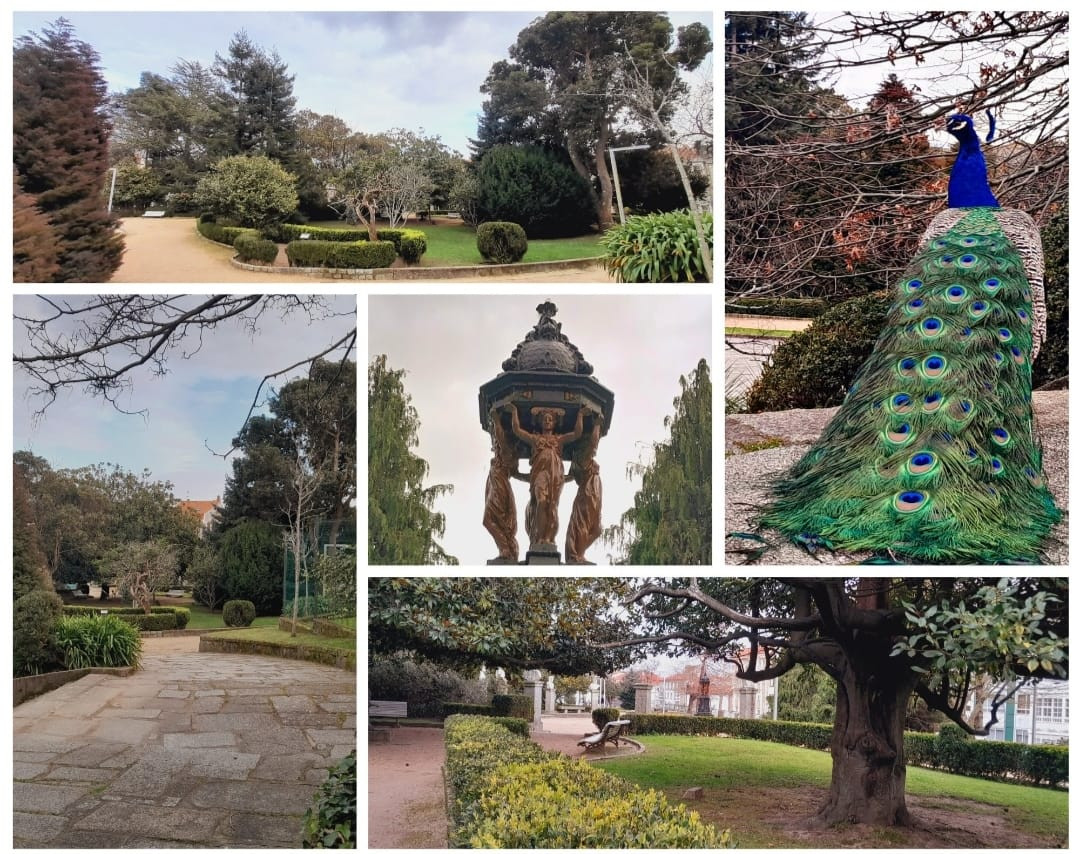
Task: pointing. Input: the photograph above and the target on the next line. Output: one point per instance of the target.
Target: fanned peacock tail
(933, 455)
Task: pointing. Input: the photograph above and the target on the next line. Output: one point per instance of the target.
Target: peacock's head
(961, 126)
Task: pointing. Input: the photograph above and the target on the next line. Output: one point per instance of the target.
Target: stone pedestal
(543, 554)
(643, 698)
(549, 695)
(534, 687)
(502, 561)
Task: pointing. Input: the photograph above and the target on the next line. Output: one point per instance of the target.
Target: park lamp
(615, 175)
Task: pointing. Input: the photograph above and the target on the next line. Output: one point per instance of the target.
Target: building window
(1050, 709)
(1023, 704)
(1022, 736)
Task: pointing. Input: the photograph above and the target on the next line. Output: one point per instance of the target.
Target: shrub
(251, 247)
(412, 246)
(535, 189)
(291, 231)
(470, 709)
(776, 306)
(307, 606)
(331, 821)
(501, 242)
(424, 686)
(253, 191)
(815, 367)
(226, 234)
(98, 642)
(508, 793)
(238, 612)
(329, 254)
(336, 572)
(32, 624)
(250, 556)
(183, 615)
(512, 706)
(657, 248)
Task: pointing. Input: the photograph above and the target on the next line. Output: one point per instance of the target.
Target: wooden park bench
(612, 732)
(392, 709)
(153, 213)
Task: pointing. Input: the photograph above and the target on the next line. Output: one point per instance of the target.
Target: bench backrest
(388, 708)
(614, 728)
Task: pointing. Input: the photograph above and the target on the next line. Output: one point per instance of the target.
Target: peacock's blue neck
(968, 184)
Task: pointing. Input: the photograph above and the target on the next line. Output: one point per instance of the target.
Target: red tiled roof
(200, 508)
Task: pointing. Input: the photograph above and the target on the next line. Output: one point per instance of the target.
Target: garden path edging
(27, 687)
(413, 273)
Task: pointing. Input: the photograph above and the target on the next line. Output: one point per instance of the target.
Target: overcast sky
(375, 70)
(451, 345)
(201, 401)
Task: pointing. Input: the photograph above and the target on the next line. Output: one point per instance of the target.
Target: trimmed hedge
(449, 709)
(777, 306)
(501, 242)
(409, 243)
(238, 612)
(993, 760)
(327, 253)
(160, 619)
(290, 232)
(226, 234)
(251, 247)
(506, 792)
(512, 706)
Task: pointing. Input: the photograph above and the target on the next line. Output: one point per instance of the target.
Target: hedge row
(506, 792)
(409, 243)
(251, 247)
(326, 253)
(160, 619)
(994, 760)
(512, 706)
(777, 306)
(226, 234)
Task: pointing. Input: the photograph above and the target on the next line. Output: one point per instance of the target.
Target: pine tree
(402, 527)
(34, 242)
(671, 520)
(60, 147)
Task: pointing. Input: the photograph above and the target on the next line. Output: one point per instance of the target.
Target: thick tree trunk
(603, 205)
(869, 774)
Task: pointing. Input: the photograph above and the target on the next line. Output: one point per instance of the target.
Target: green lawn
(454, 245)
(747, 332)
(727, 767)
(203, 618)
(268, 634)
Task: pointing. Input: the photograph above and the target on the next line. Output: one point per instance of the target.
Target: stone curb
(414, 273)
(28, 687)
(331, 658)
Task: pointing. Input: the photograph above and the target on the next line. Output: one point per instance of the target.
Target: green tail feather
(933, 454)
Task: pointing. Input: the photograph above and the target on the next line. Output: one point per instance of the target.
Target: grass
(268, 634)
(749, 332)
(724, 766)
(454, 245)
(203, 618)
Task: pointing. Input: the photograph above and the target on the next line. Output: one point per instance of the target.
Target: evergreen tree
(60, 146)
(34, 242)
(671, 520)
(29, 570)
(807, 693)
(402, 527)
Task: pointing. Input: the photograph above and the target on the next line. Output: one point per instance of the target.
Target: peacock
(932, 456)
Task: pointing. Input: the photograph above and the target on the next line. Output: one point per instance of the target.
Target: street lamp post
(615, 175)
(112, 188)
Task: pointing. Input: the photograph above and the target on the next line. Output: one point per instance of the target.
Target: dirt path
(169, 249)
(754, 321)
(406, 798)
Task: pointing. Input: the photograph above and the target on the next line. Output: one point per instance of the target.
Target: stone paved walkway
(194, 750)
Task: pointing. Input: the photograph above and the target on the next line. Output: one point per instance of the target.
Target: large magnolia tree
(883, 641)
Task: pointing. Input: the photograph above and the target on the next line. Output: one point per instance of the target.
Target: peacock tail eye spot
(1033, 476)
(977, 308)
(972, 454)
(913, 284)
(965, 332)
(992, 284)
(915, 304)
(922, 463)
(940, 244)
(907, 367)
(901, 403)
(996, 465)
(968, 241)
(931, 326)
(998, 358)
(967, 260)
(1004, 334)
(1000, 436)
(909, 502)
(932, 401)
(956, 294)
(1017, 354)
(1023, 315)
(934, 367)
(899, 434)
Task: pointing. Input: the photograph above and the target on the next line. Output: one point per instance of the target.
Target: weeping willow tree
(402, 527)
(671, 520)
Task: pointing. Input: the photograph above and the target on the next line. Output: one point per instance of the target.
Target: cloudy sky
(201, 402)
(451, 345)
(375, 70)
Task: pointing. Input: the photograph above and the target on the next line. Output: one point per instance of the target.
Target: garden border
(27, 687)
(413, 273)
(341, 659)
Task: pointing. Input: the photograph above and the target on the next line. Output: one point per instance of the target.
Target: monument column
(534, 686)
(643, 698)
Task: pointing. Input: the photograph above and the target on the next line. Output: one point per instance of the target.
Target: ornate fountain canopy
(547, 372)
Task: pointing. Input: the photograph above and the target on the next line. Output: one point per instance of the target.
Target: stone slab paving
(200, 750)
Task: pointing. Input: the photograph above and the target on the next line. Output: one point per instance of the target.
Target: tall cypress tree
(34, 243)
(402, 527)
(671, 520)
(60, 136)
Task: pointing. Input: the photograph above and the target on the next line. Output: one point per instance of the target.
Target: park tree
(806, 693)
(882, 641)
(255, 192)
(204, 576)
(671, 519)
(251, 556)
(516, 623)
(29, 571)
(579, 58)
(137, 187)
(402, 526)
(60, 147)
(140, 568)
(35, 244)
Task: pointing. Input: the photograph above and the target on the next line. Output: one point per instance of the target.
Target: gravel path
(169, 249)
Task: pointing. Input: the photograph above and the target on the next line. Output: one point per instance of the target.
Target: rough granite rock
(760, 447)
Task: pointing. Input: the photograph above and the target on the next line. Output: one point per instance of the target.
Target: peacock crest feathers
(933, 454)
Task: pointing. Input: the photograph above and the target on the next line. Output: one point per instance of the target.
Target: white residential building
(1039, 714)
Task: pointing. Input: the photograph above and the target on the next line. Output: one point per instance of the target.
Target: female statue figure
(500, 512)
(584, 527)
(546, 472)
